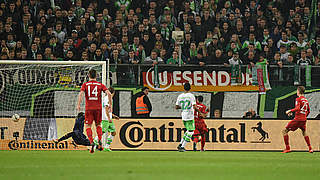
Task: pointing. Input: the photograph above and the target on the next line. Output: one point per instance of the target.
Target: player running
(77, 133)
(201, 127)
(302, 111)
(187, 103)
(92, 90)
(107, 123)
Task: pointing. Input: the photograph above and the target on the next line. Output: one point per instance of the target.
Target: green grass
(164, 165)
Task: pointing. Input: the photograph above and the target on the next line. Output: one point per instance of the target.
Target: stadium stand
(94, 29)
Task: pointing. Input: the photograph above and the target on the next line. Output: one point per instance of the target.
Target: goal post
(40, 92)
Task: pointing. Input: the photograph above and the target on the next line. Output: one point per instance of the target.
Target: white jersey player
(107, 123)
(187, 103)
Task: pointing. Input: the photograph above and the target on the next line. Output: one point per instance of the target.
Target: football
(15, 117)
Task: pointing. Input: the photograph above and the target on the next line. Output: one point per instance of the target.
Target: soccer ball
(15, 117)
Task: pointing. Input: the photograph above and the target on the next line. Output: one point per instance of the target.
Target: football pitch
(164, 165)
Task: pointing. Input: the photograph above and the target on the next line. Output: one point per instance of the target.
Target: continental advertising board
(165, 134)
(39, 145)
(11, 137)
(224, 134)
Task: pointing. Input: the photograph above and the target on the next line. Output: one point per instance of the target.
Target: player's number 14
(94, 92)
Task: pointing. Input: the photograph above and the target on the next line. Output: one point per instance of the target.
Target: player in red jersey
(302, 111)
(201, 127)
(93, 112)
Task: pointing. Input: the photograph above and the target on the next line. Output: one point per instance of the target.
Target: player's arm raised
(79, 100)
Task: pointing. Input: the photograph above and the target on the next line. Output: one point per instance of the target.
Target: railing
(131, 75)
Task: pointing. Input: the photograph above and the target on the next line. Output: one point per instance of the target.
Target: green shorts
(107, 127)
(189, 125)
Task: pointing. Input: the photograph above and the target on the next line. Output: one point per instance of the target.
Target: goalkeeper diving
(77, 133)
(107, 123)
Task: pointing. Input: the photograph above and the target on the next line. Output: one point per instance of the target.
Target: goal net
(41, 93)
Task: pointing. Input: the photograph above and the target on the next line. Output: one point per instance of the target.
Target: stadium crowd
(126, 31)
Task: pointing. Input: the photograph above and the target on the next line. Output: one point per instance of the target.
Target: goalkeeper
(77, 133)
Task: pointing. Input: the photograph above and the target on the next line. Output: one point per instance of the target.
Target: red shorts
(294, 125)
(93, 115)
(201, 127)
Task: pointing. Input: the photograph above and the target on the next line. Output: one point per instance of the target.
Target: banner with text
(224, 134)
(39, 145)
(165, 134)
(208, 79)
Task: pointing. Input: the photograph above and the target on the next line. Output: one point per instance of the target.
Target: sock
(187, 136)
(96, 139)
(196, 138)
(307, 141)
(286, 141)
(99, 132)
(182, 139)
(190, 134)
(183, 143)
(203, 141)
(109, 140)
(89, 134)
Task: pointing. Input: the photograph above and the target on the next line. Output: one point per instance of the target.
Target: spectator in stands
(235, 60)
(201, 54)
(133, 59)
(36, 20)
(69, 56)
(174, 59)
(192, 54)
(283, 53)
(91, 51)
(218, 58)
(213, 46)
(226, 32)
(164, 55)
(284, 40)
(33, 51)
(217, 113)
(251, 114)
(276, 61)
(288, 71)
(76, 40)
(268, 54)
(153, 58)
(252, 40)
(251, 58)
(310, 55)
(98, 56)
(317, 60)
(122, 52)
(304, 61)
(316, 46)
(147, 44)
(59, 33)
